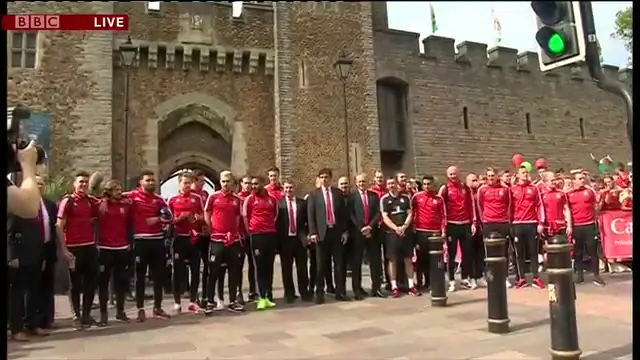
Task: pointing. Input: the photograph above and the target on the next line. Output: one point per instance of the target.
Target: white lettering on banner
(619, 226)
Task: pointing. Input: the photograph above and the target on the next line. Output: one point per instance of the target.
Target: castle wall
(197, 54)
(72, 83)
(498, 90)
(309, 122)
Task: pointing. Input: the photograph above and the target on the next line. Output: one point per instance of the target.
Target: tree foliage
(624, 28)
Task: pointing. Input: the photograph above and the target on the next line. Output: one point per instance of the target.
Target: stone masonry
(212, 91)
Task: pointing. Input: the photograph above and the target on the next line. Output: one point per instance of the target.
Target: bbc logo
(37, 22)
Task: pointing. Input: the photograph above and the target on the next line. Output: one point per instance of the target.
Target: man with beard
(402, 186)
(313, 258)
(365, 217)
(114, 250)
(274, 188)
(224, 217)
(260, 214)
(397, 216)
(476, 247)
(527, 220)
(429, 220)
(327, 218)
(75, 230)
(583, 205)
(292, 243)
(245, 190)
(150, 214)
(202, 235)
(494, 207)
(188, 214)
(460, 226)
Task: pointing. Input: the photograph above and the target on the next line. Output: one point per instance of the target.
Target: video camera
(16, 138)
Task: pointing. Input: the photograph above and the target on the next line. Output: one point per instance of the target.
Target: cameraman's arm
(24, 201)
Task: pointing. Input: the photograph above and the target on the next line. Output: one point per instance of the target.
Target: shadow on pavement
(530, 325)
(617, 352)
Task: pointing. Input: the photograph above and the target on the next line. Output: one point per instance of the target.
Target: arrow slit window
(527, 119)
(582, 132)
(24, 47)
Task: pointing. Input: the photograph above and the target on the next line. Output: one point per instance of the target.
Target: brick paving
(406, 328)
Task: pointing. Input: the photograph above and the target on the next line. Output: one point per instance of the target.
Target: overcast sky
(473, 21)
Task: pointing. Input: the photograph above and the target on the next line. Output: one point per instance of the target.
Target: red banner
(616, 233)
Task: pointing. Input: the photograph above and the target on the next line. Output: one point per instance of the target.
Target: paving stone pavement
(397, 329)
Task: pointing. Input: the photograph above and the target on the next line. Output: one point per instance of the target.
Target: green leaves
(55, 189)
(624, 29)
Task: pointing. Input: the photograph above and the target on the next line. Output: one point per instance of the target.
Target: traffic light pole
(595, 67)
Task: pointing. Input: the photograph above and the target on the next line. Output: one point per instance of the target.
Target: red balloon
(517, 159)
(541, 164)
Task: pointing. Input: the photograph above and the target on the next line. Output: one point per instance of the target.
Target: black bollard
(562, 301)
(497, 269)
(436, 272)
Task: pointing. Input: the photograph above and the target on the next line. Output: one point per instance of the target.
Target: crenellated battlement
(473, 54)
(176, 56)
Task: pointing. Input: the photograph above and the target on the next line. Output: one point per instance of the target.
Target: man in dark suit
(313, 263)
(28, 240)
(46, 308)
(364, 213)
(328, 220)
(292, 243)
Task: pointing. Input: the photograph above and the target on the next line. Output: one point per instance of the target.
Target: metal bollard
(562, 304)
(436, 272)
(497, 270)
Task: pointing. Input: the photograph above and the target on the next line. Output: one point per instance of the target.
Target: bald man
(460, 226)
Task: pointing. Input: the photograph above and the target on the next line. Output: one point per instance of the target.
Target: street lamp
(342, 67)
(128, 54)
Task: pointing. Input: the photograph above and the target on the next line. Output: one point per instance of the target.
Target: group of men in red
(258, 221)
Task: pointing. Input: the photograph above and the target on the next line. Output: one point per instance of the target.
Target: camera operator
(24, 201)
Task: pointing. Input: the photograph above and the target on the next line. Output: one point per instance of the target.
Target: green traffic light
(556, 44)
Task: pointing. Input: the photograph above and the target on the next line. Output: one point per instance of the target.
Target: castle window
(236, 9)
(465, 118)
(582, 132)
(153, 6)
(392, 114)
(24, 47)
(302, 74)
(527, 120)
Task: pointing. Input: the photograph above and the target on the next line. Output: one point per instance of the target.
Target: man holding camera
(24, 201)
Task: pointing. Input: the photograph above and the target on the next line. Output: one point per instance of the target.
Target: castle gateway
(215, 91)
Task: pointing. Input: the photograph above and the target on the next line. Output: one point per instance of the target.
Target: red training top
(582, 202)
(113, 226)
(526, 204)
(78, 210)
(204, 195)
(380, 190)
(553, 203)
(494, 203)
(275, 190)
(224, 212)
(186, 203)
(458, 202)
(260, 212)
(146, 205)
(429, 212)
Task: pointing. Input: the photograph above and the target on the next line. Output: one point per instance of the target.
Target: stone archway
(210, 137)
(209, 164)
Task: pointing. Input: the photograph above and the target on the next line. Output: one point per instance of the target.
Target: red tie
(327, 199)
(41, 222)
(365, 204)
(292, 219)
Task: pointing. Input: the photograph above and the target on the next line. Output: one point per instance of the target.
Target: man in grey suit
(328, 224)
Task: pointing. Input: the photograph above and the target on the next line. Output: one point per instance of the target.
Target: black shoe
(306, 297)
(358, 297)
(342, 298)
(122, 316)
(253, 297)
(208, 308)
(77, 324)
(104, 319)
(319, 300)
(236, 307)
(597, 281)
(579, 278)
(378, 294)
(289, 299)
(88, 322)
